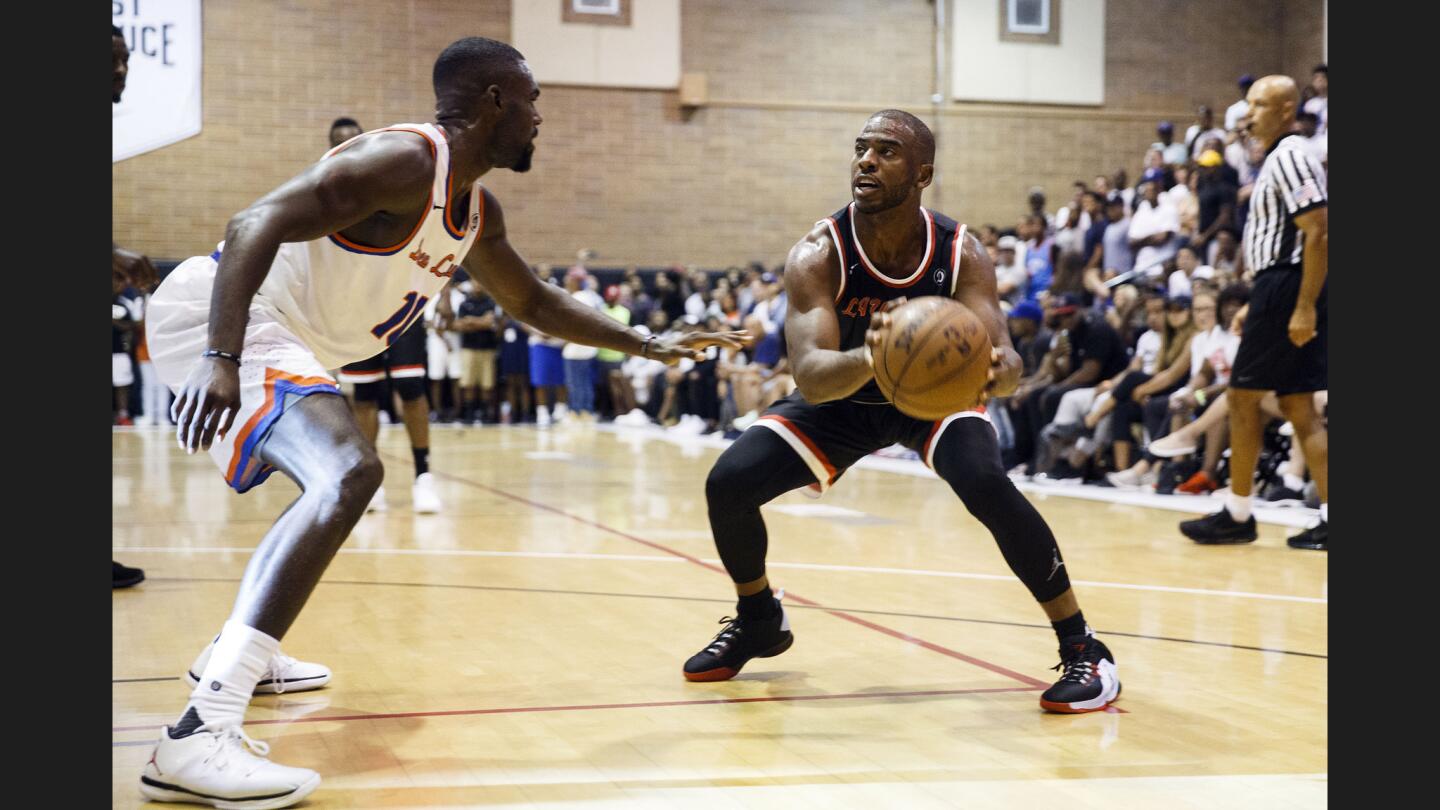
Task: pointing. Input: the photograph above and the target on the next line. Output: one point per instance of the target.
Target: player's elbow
(247, 225)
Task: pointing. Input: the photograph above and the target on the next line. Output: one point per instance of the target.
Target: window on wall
(596, 12)
(1032, 21)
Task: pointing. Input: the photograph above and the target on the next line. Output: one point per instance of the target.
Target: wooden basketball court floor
(524, 647)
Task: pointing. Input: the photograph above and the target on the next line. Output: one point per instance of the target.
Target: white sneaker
(1171, 446)
(743, 422)
(285, 674)
(542, 417)
(377, 501)
(1125, 479)
(423, 493)
(222, 768)
(560, 412)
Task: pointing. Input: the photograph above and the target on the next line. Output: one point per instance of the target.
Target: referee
(1284, 343)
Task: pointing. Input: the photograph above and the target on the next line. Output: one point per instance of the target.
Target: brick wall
(626, 173)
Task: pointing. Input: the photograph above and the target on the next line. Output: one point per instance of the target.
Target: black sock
(1071, 627)
(189, 721)
(758, 605)
(422, 460)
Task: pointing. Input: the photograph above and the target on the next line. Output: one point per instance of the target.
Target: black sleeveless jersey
(863, 288)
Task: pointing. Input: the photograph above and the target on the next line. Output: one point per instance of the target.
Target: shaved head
(922, 139)
(1273, 102)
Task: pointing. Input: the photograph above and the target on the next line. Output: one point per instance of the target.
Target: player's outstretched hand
(206, 403)
(1005, 369)
(671, 349)
(137, 268)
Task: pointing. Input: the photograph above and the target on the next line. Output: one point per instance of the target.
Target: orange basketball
(935, 359)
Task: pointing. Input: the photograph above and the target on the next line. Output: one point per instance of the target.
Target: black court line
(964, 619)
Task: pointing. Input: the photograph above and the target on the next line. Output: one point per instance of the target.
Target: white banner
(161, 102)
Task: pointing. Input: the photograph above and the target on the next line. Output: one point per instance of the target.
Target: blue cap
(1155, 175)
(1166, 126)
(1246, 80)
(1028, 310)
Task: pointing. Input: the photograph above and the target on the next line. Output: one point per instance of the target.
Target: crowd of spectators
(1125, 302)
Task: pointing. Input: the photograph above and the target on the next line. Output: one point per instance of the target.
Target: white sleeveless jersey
(349, 301)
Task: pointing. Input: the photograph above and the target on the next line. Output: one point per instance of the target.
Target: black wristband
(645, 347)
(234, 358)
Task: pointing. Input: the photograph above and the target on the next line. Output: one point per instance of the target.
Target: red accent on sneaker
(1198, 484)
(717, 674)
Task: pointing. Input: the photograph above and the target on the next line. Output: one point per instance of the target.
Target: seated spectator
(1224, 255)
(1235, 112)
(1036, 200)
(1318, 103)
(1188, 269)
(1011, 277)
(1172, 153)
(1136, 396)
(1215, 351)
(1202, 131)
(1086, 351)
(989, 235)
(1307, 125)
(699, 299)
(1154, 226)
(1117, 258)
(1120, 187)
(1126, 314)
(1181, 197)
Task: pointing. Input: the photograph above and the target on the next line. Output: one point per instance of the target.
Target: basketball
(935, 359)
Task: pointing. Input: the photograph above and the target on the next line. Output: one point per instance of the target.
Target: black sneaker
(741, 640)
(1219, 529)
(124, 577)
(1316, 537)
(1282, 495)
(1090, 681)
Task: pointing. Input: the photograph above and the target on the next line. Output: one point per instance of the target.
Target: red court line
(596, 706)
(996, 668)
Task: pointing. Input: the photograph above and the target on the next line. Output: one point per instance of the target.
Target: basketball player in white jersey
(320, 272)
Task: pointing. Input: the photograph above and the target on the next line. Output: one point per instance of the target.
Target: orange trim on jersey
(429, 200)
(881, 277)
(814, 448)
(394, 369)
(270, 376)
(840, 246)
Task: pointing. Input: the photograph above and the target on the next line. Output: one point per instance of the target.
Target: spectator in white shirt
(1188, 269)
(1154, 225)
(1237, 111)
(1170, 151)
(1319, 103)
(1120, 187)
(1011, 277)
(1317, 142)
(1203, 128)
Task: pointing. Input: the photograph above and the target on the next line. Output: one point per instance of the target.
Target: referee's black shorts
(1267, 360)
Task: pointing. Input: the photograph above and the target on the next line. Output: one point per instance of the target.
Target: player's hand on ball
(672, 349)
(1004, 375)
(1302, 324)
(206, 404)
(879, 327)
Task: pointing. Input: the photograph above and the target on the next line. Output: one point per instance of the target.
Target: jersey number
(395, 325)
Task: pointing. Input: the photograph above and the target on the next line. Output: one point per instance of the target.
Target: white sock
(237, 663)
(1295, 482)
(1238, 506)
(1325, 512)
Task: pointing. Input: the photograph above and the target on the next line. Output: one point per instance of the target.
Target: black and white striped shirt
(1290, 183)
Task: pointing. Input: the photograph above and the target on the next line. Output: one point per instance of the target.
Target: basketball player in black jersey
(842, 279)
